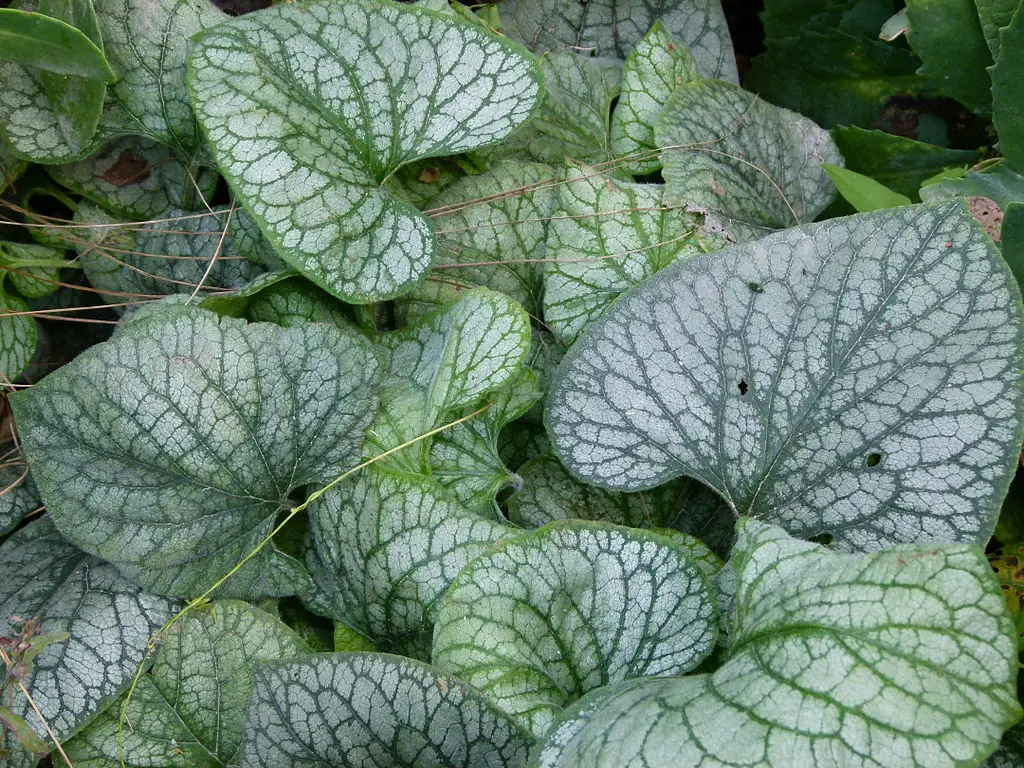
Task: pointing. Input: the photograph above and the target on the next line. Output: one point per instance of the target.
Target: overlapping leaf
(858, 377)
(902, 657)
(108, 619)
(190, 709)
(727, 151)
(309, 109)
(170, 449)
(610, 28)
(551, 615)
(368, 710)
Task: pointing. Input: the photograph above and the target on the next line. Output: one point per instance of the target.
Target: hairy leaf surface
(858, 377)
(902, 657)
(309, 109)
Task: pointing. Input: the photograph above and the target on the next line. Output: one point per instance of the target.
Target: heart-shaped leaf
(170, 449)
(107, 618)
(859, 378)
(551, 615)
(727, 151)
(391, 544)
(190, 709)
(652, 73)
(371, 710)
(350, 92)
(903, 657)
(605, 237)
(613, 27)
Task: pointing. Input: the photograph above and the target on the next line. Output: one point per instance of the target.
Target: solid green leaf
(833, 77)
(390, 544)
(190, 709)
(371, 710)
(137, 178)
(654, 69)
(170, 449)
(490, 228)
(308, 112)
(18, 337)
(994, 15)
(574, 120)
(1007, 106)
(551, 615)
(863, 192)
(859, 378)
(996, 182)
(1012, 239)
(52, 117)
(896, 161)
(48, 44)
(947, 36)
(783, 19)
(18, 494)
(169, 255)
(108, 619)
(614, 27)
(728, 152)
(446, 363)
(606, 236)
(903, 657)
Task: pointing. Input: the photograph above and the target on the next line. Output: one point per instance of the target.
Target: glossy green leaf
(447, 362)
(606, 236)
(109, 621)
(575, 118)
(903, 657)
(17, 337)
(896, 161)
(170, 449)
(859, 378)
(190, 709)
(1007, 106)
(137, 178)
(390, 544)
(308, 111)
(863, 192)
(166, 256)
(18, 494)
(51, 45)
(728, 152)
(654, 69)
(548, 616)
(833, 77)
(49, 116)
(613, 28)
(489, 229)
(371, 710)
(947, 36)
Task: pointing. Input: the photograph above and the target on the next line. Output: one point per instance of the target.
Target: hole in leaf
(825, 539)
(755, 287)
(743, 387)
(873, 459)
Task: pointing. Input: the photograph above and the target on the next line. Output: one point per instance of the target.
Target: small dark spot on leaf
(743, 387)
(825, 539)
(755, 287)
(430, 174)
(129, 168)
(873, 459)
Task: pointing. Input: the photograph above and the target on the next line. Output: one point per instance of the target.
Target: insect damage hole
(873, 459)
(742, 387)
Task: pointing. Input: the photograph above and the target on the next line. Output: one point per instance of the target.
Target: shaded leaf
(1007, 106)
